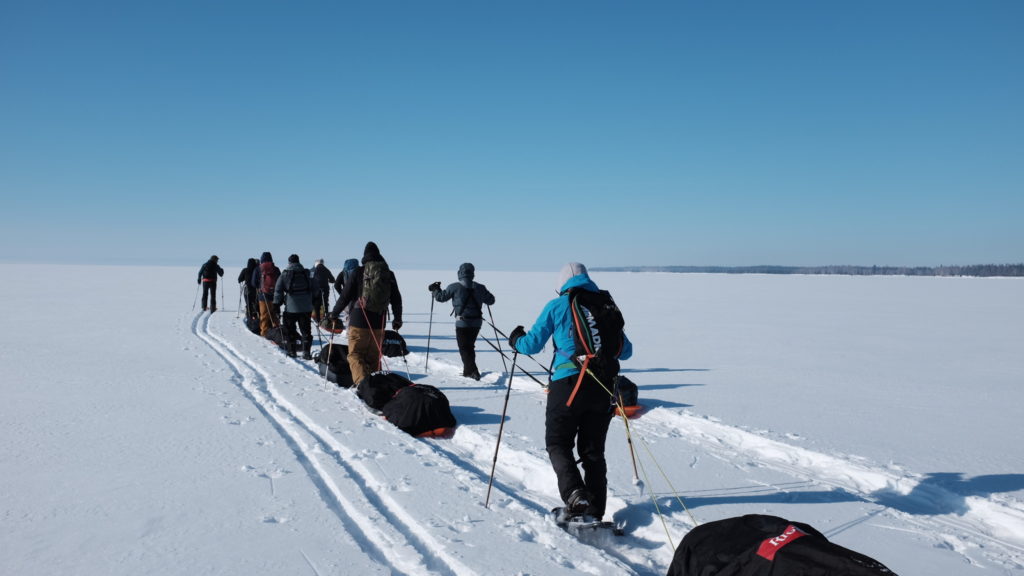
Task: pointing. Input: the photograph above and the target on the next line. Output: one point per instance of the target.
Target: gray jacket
(468, 298)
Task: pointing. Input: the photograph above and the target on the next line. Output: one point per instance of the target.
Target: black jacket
(209, 272)
(323, 277)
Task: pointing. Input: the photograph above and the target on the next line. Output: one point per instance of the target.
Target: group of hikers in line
(579, 410)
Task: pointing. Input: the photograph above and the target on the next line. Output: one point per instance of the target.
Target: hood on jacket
(371, 253)
(467, 271)
(266, 257)
(350, 265)
(574, 275)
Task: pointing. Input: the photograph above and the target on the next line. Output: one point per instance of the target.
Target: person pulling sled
(468, 299)
(579, 407)
(296, 291)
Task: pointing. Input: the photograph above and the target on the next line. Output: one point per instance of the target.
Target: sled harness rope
(629, 441)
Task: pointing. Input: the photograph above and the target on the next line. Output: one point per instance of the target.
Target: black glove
(396, 323)
(514, 337)
(434, 287)
(332, 316)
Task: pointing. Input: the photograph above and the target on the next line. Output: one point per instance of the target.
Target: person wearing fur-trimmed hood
(468, 299)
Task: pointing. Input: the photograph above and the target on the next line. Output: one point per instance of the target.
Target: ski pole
(238, 310)
(489, 313)
(625, 420)
(196, 298)
(498, 330)
(430, 327)
(521, 371)
(501, 427)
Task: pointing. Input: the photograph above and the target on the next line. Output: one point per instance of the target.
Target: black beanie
(293, 259)
(266, 257)
(371, 248)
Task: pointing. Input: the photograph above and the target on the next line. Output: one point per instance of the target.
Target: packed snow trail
(851, 497)
(370, 502)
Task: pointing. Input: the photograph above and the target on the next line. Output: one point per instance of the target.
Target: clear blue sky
(513, 134)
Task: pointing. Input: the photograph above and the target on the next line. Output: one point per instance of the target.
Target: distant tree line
(980, 270)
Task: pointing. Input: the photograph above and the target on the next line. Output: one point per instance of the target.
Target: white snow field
(142, 436)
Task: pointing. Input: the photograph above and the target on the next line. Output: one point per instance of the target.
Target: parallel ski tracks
(861, 480)
(393, 537)
(389, 536)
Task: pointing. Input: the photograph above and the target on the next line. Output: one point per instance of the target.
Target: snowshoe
(580, 524)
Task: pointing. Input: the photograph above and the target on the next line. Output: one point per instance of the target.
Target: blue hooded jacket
(555, 321)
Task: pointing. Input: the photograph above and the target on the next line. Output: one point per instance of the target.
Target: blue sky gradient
(516, 135)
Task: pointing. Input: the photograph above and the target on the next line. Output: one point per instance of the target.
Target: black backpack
(760, 545)
(418, 409)
(597, 333)
(297, 282)
(380, 387)
(393, 344)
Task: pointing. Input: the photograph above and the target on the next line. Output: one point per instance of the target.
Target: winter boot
(290, 349)
(306, 350)
(578, 502)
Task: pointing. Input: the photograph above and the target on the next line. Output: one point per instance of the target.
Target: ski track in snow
(385, 543)
(390, 534)
(396, 538)
(993, 523)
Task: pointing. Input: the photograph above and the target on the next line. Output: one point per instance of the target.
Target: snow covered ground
(140, 436)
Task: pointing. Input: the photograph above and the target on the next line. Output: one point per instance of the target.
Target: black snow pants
(302, 319)
(466, 338)
(585, 424)
(210, 293)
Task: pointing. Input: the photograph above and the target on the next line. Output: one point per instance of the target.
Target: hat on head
(293, 259)
(266, 257)
(467, 271)
(214, 257)
(371, 248)
(568, 271)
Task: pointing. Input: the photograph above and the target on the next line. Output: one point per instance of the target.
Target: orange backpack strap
(583, 372)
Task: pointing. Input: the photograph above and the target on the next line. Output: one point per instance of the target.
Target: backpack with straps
(469, 302)
(597, 335)
(304, 285)
(376, 286)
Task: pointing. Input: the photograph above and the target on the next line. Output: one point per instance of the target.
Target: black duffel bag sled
(393, 345)
(380, 387)
(760, 545)
(332, 361)
(420, 409)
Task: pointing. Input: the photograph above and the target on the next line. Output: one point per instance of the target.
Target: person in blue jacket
(583, 422)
